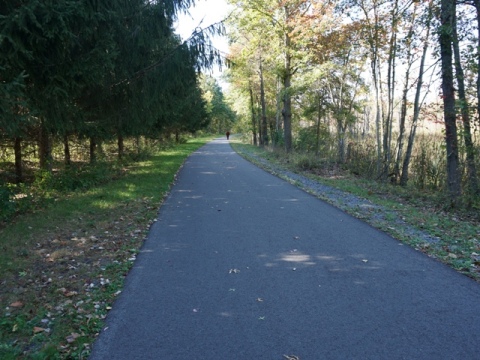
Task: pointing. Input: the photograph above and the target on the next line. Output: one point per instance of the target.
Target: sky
(203, 14)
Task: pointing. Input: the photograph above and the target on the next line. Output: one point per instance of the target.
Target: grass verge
(63, 266)
(413, 217)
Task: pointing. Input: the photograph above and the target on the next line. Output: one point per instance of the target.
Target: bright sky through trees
(202, 15)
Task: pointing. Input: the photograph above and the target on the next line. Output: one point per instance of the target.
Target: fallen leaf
(37, 330)
(17, 304)
(72, 337)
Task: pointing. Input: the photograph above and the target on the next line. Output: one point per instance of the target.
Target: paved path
(242, 265)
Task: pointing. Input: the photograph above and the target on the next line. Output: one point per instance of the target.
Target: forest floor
(63, 266)
(452, 237)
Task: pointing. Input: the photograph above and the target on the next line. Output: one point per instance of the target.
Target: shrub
(7, 205)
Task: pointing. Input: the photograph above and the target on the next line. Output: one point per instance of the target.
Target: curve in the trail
(243, 265)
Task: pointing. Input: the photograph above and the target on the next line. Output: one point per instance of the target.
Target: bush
(7, 205)
(307, 161)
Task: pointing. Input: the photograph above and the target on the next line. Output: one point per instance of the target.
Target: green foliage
(7, 206)
(220, 114)
(102, 70)
(74, 177)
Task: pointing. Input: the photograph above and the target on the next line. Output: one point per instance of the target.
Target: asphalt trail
(243, 265)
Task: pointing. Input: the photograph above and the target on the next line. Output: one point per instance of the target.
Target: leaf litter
(75, 273)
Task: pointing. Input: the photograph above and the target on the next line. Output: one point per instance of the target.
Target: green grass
(62, 265)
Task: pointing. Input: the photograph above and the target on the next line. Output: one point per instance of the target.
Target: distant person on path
(228, 135)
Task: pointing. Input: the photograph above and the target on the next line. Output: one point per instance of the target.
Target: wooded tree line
(359, 76)
(97, 71)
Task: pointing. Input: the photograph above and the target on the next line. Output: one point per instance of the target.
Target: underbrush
(426, 186)
(42, 187)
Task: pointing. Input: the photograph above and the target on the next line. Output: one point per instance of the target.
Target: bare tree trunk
(45, 149)
(387, 132)
(341, 128)
(264, 131)
(278, 113)
(18, 160)
(121, 147)
(93, 153)
(467, 132)
(66, 150)
(287, 104)
(416, 105)
(447, 17)
(403, 108)
(287, 83)
(477, 7)
(319, 118)
(254, 123)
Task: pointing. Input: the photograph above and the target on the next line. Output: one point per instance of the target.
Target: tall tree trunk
(254, 123)
(18, 160)
(319, 118)
(467, 132)
(477, 7)
(93, 148)
(287, 83)
(45, 149)
(66, 150)
(121, 147)
(341, 129)
(138, 142)
(264, 132)
(403, 107)
(278, 113)
(387, 131)
(402, 120)
(373, 40)
(447, 16)
(416, 104)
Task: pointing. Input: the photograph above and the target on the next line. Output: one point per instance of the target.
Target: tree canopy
(98, 70)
